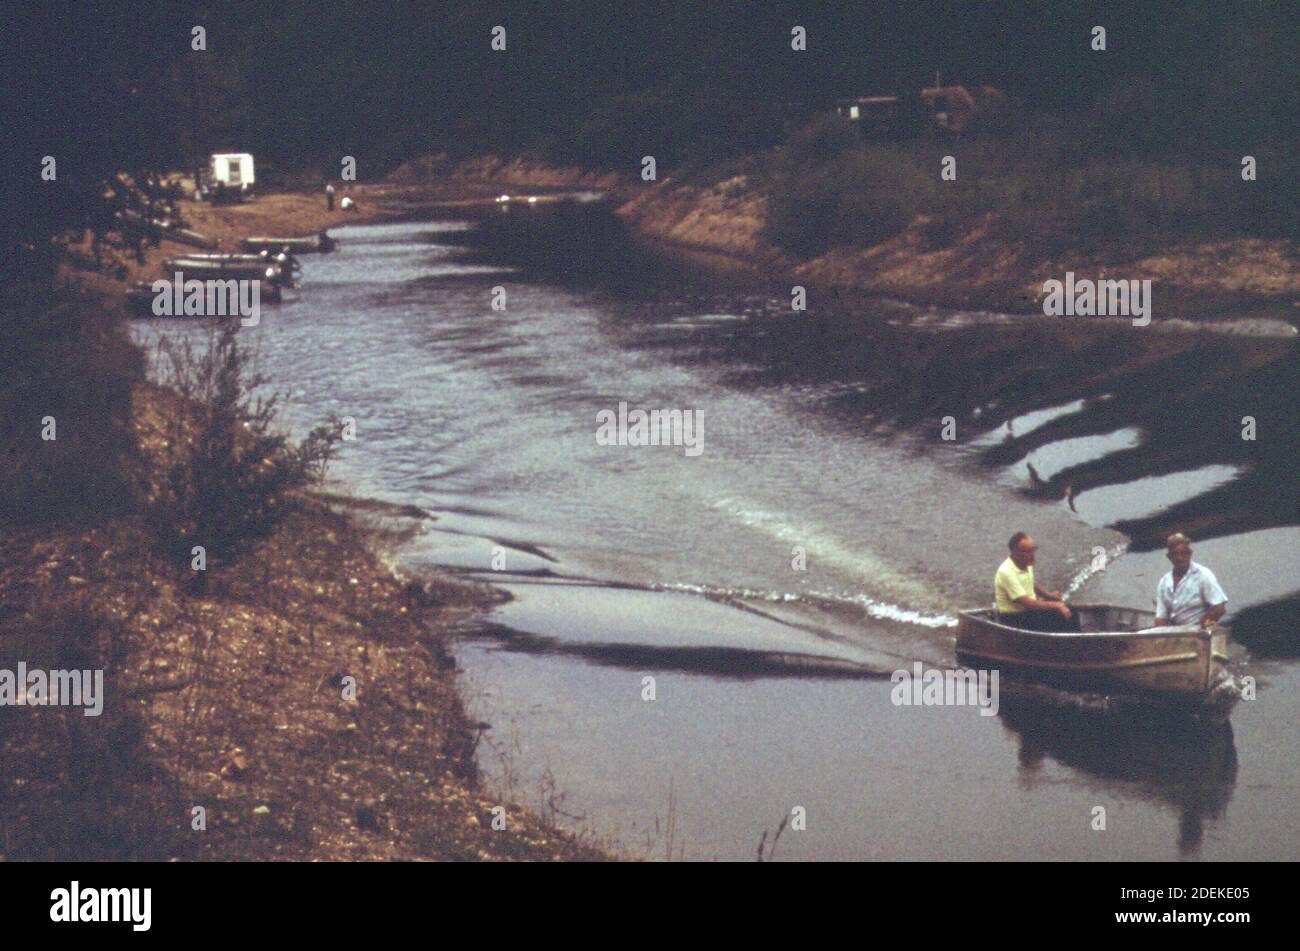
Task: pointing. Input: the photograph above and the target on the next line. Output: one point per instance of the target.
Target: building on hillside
(954, 109)
(229, 177)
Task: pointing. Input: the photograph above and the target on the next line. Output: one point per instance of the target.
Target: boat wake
(820, 544)
(881, 610)
(1094, 567)
(737, 663)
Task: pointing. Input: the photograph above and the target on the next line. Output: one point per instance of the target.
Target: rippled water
(827, 533)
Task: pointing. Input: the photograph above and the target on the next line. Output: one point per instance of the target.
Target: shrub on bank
(227, 471)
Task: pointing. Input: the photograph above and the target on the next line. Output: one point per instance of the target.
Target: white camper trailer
(231, 174)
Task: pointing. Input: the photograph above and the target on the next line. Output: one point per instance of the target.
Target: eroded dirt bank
(721, 226)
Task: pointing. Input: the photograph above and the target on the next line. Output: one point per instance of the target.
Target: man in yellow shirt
(1021, 601)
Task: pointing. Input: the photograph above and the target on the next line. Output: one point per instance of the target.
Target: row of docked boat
(272, 262)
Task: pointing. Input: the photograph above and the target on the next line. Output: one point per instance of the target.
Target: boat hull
(1184, 663)
(164, 230)
(216, 271)
(264, 258)
(140, 298)
(312, 244)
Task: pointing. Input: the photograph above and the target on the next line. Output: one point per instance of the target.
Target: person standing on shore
(329, 196)
(1189, 593)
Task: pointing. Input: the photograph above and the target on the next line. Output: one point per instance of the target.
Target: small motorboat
(266, 271)
(163, 229)
(140, 297)
(311, 244)
(1120, 650)
(262, 257)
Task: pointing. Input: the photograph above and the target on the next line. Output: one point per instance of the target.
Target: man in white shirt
(1189, 593)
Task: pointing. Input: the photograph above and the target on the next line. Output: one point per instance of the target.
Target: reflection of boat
(1119, 649)
(1186, 763)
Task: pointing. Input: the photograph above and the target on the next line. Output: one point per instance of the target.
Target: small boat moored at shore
(164, 230)
(311, 244)
(1120, 649)
(262, 257)
(268, 272)
(140, 297)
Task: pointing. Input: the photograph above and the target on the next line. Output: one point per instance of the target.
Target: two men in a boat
(1189, 593)
(1021, 601)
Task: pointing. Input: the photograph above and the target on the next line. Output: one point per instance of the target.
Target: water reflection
(1185, 764)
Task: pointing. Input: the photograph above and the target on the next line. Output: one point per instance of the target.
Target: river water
(824, 537)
